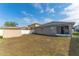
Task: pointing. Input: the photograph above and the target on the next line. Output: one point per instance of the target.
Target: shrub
(1, 37)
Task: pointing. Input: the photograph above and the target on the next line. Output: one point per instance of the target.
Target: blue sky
(27, 13)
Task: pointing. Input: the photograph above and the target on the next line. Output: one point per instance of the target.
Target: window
(66, 29)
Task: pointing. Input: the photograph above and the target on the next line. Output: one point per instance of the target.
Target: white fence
(26, 31)
(1, 32)
(22, 32)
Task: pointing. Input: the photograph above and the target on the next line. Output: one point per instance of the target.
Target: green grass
(1, 28)
(76, 33)
(1, 37)
(74, 46)
(35, 45)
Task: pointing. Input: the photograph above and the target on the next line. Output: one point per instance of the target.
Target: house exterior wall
(46, 30)
(9, 33)
(70, 30)
(54, 30)
(58, 29)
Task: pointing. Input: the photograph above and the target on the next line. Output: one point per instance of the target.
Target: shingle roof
(58, 23)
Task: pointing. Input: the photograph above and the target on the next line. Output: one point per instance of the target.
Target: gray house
(76, 28)
(55, 28)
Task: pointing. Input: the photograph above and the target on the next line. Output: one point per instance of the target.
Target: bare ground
(35, 45)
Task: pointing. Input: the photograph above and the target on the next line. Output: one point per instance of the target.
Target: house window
(66, 30)
(63, 29)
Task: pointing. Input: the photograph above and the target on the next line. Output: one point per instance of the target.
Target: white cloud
(23, 12)
(26, 14)
(41, 11)
(30, 20)
(49, 10)
(38, 6)
(46, 20)
(34, 20)
(73, 12)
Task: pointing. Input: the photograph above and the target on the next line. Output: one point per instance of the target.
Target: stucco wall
(1, 32)
(53, 30)
(11, 33)
(46, 30)
(26, 31)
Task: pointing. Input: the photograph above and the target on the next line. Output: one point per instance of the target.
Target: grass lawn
(74, 46)
(76, 33)
(35, 45)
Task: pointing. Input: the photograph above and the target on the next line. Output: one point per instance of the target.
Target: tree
(10, 24)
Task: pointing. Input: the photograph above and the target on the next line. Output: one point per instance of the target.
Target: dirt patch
(36, 45)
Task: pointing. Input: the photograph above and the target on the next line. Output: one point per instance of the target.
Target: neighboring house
(33, 26)
(76, 28)
(55, 28)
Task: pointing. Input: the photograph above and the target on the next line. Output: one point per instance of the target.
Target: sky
(27, 13)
